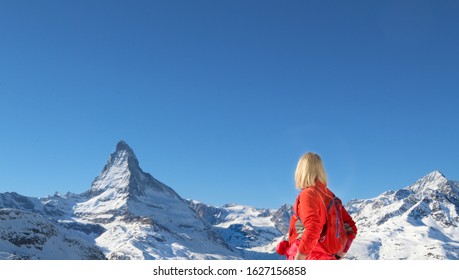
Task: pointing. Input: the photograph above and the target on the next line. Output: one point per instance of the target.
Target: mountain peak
(124, 152)
(122, 177)
(433, 176)
(430, 181)
(123, 146)
(118, 171)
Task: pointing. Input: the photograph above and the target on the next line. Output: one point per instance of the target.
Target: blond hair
(309, 169)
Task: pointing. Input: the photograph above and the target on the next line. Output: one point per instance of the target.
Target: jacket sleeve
(351, 228)
(310, 212)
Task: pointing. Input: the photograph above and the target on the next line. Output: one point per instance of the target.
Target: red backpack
(334, 237)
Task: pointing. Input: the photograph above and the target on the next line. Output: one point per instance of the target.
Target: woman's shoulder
(310, 192)
(314, 192)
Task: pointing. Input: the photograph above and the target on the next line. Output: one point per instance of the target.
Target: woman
(308, 227)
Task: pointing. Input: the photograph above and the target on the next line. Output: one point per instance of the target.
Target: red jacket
(310, 207)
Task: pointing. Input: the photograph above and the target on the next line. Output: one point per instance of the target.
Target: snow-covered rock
(27, 235)
(255, 232)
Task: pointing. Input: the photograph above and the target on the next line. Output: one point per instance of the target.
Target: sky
(219, 99)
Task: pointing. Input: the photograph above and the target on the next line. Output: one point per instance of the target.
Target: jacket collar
(321, 186)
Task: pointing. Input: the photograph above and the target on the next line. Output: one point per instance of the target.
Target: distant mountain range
(128, 214)
(417, 222)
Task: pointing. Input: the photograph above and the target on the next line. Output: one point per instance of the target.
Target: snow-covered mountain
(420, 221)
(128, 214)
(141, 217)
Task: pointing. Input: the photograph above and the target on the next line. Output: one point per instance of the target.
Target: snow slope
(27, 235)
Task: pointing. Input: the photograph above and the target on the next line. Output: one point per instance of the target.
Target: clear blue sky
(219, 99)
